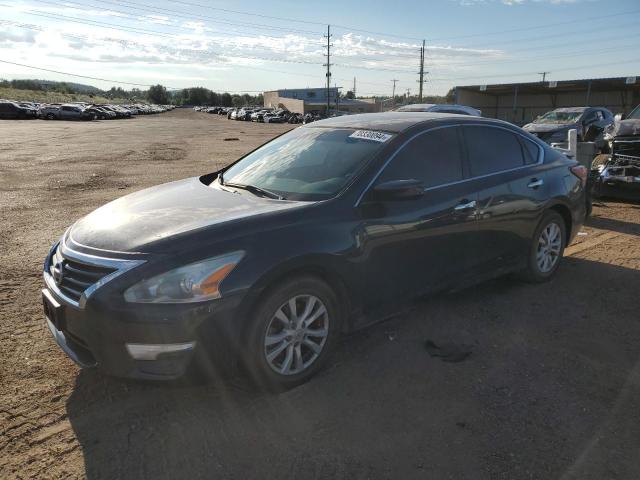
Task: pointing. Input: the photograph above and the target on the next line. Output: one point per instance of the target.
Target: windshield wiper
(255, 190)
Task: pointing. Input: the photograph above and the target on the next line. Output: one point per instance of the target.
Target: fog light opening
(148, 351)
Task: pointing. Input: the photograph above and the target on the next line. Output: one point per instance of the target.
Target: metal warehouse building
(305, 100)
(521, 103)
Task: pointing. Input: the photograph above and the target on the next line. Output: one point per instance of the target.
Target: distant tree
(226, 100)
(451, 96)
(349, 95)
(237, 101)
(158, 94)
(214, 98)
(26, 84)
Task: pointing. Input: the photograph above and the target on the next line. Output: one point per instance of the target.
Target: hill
(45, 96)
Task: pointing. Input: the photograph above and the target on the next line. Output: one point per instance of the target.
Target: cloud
(156, 19)
(16, 35)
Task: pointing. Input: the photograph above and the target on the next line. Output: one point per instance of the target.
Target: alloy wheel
(296, 334)
(549, 247)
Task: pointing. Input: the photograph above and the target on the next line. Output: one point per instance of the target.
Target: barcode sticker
(371, 135)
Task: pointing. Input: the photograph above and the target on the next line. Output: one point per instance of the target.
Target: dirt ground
(551, 389)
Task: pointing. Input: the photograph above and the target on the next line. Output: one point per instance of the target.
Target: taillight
(581, 172)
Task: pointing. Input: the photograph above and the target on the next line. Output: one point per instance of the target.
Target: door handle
(535, 183)
(465, 205)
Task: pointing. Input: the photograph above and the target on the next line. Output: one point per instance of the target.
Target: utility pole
(393, 95)
(421, 72)
(328, 65)
(354, 87)
(544, 75)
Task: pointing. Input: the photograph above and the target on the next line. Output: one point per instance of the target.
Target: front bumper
(141, 341)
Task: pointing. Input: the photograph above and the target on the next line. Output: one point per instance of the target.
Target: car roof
(394, 122)
(572, 109)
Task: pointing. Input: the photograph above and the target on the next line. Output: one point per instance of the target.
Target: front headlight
(196, 282)
(561, 136)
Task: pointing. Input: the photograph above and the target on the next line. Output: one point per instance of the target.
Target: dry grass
(54, 97)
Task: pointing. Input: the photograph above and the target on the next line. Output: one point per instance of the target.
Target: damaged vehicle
(618, 174)
(321, 231)
(553, 126)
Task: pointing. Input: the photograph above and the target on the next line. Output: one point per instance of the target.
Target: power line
(175, 13)
(536, 27)
(516, 74)
(118, 27)
(556, 35)
(83, 76)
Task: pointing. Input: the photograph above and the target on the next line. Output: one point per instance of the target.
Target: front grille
(73, 277)
(626, 149)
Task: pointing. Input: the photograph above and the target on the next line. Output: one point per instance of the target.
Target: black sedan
(11, 110)
(318, 232)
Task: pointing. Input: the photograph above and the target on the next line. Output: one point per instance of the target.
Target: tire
(599, 160)
(273, 345)
(537, 271)
(50, 116)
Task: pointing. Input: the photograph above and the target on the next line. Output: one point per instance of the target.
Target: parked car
(618, 173)
(11, 110)
(440, 108)
(258, 115)
(553, 126)
(318, 232)
(295, 118)
(65, 112)
(274, 118)
(101, 113)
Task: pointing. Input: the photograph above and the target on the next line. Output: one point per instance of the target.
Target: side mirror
(398, 190)
(619, 117)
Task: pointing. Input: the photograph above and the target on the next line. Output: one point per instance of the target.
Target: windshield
(635, 114)
(305, 163)
(559, 117)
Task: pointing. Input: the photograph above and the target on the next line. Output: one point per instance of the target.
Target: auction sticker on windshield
(371, 135)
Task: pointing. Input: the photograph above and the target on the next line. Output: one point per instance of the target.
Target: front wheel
(293, 331)
(547, 248)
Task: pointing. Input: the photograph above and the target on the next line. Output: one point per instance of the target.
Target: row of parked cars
(10, 109)
(261, 114)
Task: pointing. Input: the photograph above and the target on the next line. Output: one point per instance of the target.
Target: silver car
(441, 108)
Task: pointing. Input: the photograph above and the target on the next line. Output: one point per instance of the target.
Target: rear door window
(434, 157)
(531, 151)
(492, 150)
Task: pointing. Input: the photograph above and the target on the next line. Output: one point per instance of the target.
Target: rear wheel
(547, 248)
(50, 116)
(293, 331)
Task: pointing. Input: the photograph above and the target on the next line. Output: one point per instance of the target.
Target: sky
(257, 45)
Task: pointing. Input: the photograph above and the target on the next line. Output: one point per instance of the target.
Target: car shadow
(548, 375)
(614, 225)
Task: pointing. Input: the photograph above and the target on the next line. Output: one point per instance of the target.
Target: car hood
(548, 127)
(629, 127)
(135, 221)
